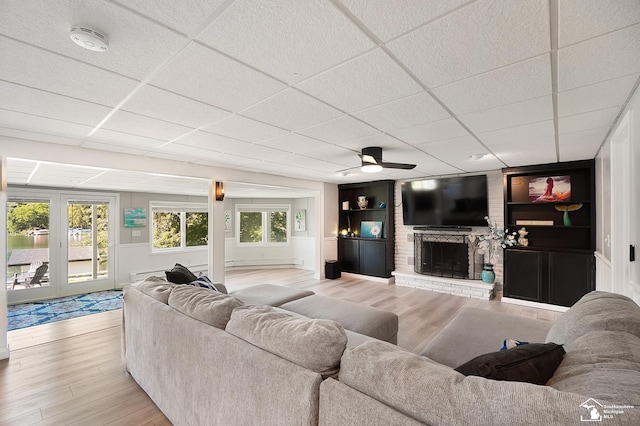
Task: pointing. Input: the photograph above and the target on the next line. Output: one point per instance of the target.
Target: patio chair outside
(36, 279)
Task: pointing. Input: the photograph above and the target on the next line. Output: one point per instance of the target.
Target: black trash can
(332, 269)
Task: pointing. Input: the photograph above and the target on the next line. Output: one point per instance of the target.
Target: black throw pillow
(532, 363)
(180, 275)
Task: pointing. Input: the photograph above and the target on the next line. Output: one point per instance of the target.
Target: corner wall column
(4, 345)
(216, 236)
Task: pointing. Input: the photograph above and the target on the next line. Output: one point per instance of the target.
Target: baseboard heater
(139, 276)
(263, 262)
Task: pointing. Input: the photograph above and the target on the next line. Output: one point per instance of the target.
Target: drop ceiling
(298, 88)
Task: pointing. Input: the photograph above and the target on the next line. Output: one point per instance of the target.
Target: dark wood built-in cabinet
(557, 266)
(367, 256)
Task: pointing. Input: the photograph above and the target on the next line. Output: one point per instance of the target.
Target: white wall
(404, 234)
(4, 347)
(329, 224)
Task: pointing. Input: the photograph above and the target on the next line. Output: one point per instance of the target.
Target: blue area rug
(30, 314)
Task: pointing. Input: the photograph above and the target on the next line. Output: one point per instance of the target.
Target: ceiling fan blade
(398, 166)
(369, 159)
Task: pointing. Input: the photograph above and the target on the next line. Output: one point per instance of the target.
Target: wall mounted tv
(446, 202)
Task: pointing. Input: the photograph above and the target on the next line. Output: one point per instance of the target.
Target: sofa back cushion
(602, 364)
(156, 287)
(596, 311)
(437, 395)
(209, 306)
(315, 344)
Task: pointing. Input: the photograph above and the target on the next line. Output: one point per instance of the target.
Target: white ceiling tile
(226, 160)
(508, 85)
(462, 146)
(588, 120)
(18, 171)
(340, 131)
(45, 104)
(369, 80)
(291, 40)
(477, 38)
(137, 45)
(296, 143)
(292, 110)
(407, 112)
(523, 134)
(33, 123)
(213, 142)
(426, 164)
(63, 174)
(179, 152)
(139, 125)
(186, 16)
(529, 111)
(579, 20)
(157, 103)
(381, 139)
(337, 155)
(41, 137)
(125, 139)
(104, 146)
(581, 145)
(438, 130)
(470, 165)
(603, 58)
(48, 71)
(596, 96)
(526, 158)
(220, 81)
(388, 19)
(245, 129)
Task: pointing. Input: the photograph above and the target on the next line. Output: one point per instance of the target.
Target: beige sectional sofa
(211, 359)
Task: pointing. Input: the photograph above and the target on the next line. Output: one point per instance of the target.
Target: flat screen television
(446, 202)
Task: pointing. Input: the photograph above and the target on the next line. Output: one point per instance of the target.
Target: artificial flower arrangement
(491, 243)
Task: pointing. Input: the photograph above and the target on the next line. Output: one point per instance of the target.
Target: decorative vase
(488, 274)
(362, 202)
(565, 218)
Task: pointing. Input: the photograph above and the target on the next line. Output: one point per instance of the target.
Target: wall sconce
(219, 191)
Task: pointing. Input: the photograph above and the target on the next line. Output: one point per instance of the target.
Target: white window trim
(263, 208)
(175, 207)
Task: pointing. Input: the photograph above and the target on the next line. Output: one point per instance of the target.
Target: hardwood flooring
(71, 372)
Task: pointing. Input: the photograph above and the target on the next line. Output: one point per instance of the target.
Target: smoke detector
(89, 39)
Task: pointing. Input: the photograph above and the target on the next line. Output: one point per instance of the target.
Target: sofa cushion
(602, 364)
(156, 287)
(314, 344)
(210, 307)
(205, 282)
(532, 363)
(363, 319)
(437, 395)
(596, 311)
(180, 275)
(474, 332)
(269, 294)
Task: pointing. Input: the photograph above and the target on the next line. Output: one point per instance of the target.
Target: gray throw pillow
(533, 363)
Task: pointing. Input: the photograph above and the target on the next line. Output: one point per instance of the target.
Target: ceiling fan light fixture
(371, 168)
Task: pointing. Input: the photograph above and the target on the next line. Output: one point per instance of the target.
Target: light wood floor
(71, 372)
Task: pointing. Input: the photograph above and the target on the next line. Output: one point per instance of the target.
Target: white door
(624, 211)
(87, 257)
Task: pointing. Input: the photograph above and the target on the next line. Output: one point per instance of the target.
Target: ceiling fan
(372, 161)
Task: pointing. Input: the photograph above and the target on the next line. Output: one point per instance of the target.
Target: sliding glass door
(59, 244)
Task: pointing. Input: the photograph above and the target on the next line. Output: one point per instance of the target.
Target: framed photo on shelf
(550, 189)
(370, 229)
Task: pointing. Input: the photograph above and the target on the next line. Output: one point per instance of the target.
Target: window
(179, 225)
(262, 224)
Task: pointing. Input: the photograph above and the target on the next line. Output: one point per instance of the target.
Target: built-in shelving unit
(367, 255)
(557, 265)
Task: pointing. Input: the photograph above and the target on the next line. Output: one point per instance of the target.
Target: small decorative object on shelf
(522, 237)
(566, 209)
(491, 244)
(488, 274)
(382, 205)
(362, 202)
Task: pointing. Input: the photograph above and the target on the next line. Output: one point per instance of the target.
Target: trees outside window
(179, 226)
(262, 224)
